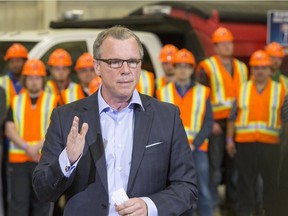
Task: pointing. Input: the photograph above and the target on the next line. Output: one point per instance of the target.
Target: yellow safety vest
(146, 83)
(161, 82)
(7, 85)
(72, 94)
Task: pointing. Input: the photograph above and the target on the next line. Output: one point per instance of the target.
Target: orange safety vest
(161, 82)
(223, 86)
(192, 108)
(31, 121)
(258, 117)
(146, 83)
(72, 94)
(7, 85)
(51, 87)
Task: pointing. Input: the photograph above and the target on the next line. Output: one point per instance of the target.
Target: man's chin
(34, 91)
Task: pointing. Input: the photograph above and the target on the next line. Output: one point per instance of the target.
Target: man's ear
(96, 65)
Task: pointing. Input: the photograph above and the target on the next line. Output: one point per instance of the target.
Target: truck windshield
(4, 45)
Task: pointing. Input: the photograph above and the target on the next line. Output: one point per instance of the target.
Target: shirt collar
(190, 84)
(135, 100)
(11, 76)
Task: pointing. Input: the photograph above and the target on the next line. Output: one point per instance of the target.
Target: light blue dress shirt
(117, 128)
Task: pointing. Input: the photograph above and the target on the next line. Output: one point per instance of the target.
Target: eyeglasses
(117, 63)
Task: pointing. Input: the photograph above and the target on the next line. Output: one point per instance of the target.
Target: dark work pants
(220, 163)
(22, 200)
(283, 182)
(252, 159)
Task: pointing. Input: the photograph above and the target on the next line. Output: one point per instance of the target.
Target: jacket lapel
(142, 126)
(94, 142)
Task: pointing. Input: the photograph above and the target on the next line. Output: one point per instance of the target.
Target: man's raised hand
(75, 140)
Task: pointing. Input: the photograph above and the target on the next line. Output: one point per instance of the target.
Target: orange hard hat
(222, 34)
(167, 52)
(260, 58)
(94, 84)
(17, 50)
(34, 67)
(84, 61)
(60, 57)
(275, 49)
(183, 56)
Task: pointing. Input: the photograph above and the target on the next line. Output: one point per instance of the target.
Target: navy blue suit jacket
(163, 172)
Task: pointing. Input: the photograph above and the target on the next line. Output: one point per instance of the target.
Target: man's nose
(125, 68)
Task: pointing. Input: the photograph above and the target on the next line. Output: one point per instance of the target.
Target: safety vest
(284, 82)
(192, 108)
(161, 82)
(146, 83)
(52, 88)
(223, 86)
(258, 117)
(7, 85)
(72, 94)
(31, 121)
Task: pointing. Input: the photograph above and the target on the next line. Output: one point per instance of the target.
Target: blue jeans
(204, 204)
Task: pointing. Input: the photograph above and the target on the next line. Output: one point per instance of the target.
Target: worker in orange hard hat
(15, 56)
(196, 113)
(165, 57)
(85, 73)
(94, 84)
(222, 34)
(146, 83)
(276, 52)
(59, 63)
(2, 166)
(27, 122)
(254, 125)
(223, 74)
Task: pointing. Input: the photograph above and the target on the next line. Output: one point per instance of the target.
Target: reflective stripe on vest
(72, 93)
(51, 87)
(220, 101)
(7, 85)
(269, 128)
(198, 99)
(161, 82)
(146, 83)
(47, 104)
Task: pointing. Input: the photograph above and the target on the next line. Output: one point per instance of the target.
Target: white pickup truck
(76, 41)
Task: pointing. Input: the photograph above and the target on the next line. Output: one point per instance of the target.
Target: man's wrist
(25, 146)
(229, 139)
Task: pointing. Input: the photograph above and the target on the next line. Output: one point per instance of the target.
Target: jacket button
(104, 206)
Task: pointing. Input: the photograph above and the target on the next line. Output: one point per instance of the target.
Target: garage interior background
(37, 14)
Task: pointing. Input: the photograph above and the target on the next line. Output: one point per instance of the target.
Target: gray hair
(117, 32)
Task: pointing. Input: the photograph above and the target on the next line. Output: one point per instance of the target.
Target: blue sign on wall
(277, 27)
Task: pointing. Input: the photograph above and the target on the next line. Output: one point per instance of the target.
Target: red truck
(190, 24)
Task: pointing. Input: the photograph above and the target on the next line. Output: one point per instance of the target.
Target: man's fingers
(74, 127)
(84, 130)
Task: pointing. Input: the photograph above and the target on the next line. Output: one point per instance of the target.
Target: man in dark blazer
(3, 110)
(156, 157)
